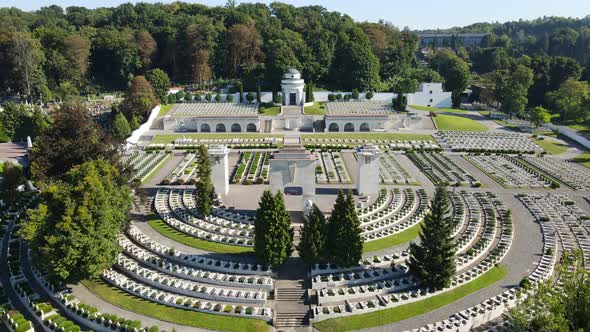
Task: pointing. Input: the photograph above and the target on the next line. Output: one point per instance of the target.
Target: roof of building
(293, 71)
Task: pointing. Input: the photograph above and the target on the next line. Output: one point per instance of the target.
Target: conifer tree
(258, 94)
(241, 93)
(313, 237)
(345, 244)
(204, 196)
(433, 260)
(273, 236)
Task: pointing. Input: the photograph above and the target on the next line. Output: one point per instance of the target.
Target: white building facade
(431, 95)
(292, 88)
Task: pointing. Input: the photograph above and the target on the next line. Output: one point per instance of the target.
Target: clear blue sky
(423, 14)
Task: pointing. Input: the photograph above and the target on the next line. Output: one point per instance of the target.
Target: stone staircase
(291, 308)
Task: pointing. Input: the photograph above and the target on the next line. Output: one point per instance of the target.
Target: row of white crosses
(489, 141)
(333, 168)
(182, 286)
(359, 107)
(509, 171)
(197, 261)
(383, 143)
(497, 305)
(441, 169)
(392, 172)
(407, 209)
(184, 171)
(570, 173)
(173, 267)
(215, 109)
(144, 163)
(569, 220)
(262, 141)
(167, 298)
(371, 296)
(169, 206)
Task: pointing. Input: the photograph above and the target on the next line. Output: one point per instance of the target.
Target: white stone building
(292, 88)
(431, 95)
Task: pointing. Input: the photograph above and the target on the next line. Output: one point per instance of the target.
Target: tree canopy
(73, 232)
(72, 139)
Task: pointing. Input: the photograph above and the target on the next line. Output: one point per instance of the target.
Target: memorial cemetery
(280, 168)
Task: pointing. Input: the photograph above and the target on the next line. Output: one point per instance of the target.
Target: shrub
(229, 98)
(218, 97)
(525, 283)
(369, 95)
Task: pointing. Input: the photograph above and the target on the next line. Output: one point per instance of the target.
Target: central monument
(368, 169)
(292, 171)
(292, 87)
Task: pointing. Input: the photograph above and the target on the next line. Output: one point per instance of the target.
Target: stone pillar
(368, 170)
(219, 155)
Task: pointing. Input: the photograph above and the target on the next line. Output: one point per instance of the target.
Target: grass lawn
(169, 138)
(452, 122)
(157, 169)
(379, 136)
(269, 109)
(444, 109)
(173, 315)
(551, 146)
(315, 109)
(161, 227)
(165, 109)
(583, 159)
(396, 314)
(582, 128)
(392, 240)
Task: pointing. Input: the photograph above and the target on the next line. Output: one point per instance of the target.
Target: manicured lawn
(583, 159)
(396, 314)
(157, 169)
(173, 315)
(393, 240)
(452, 122)
(444, 109)
(582, 128)
(269, 109)
(551, 146)
(161, 227)
(379, 136)
(169, 138)
(165, 109)
(315, 109)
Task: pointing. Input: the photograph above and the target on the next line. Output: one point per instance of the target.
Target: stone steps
(292, 295)
(291, 319)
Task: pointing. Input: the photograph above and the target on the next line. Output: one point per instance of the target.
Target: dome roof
(293, 71)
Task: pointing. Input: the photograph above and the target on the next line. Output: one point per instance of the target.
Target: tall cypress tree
(345, 244)
(205, 190)
(273, 236)
(433, 260)
(313, 237)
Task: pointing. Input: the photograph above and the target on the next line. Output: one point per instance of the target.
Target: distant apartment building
(447, 39)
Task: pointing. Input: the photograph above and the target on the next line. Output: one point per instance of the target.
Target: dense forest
(55, 53)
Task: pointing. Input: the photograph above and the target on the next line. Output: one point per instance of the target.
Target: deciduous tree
(73, 232)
